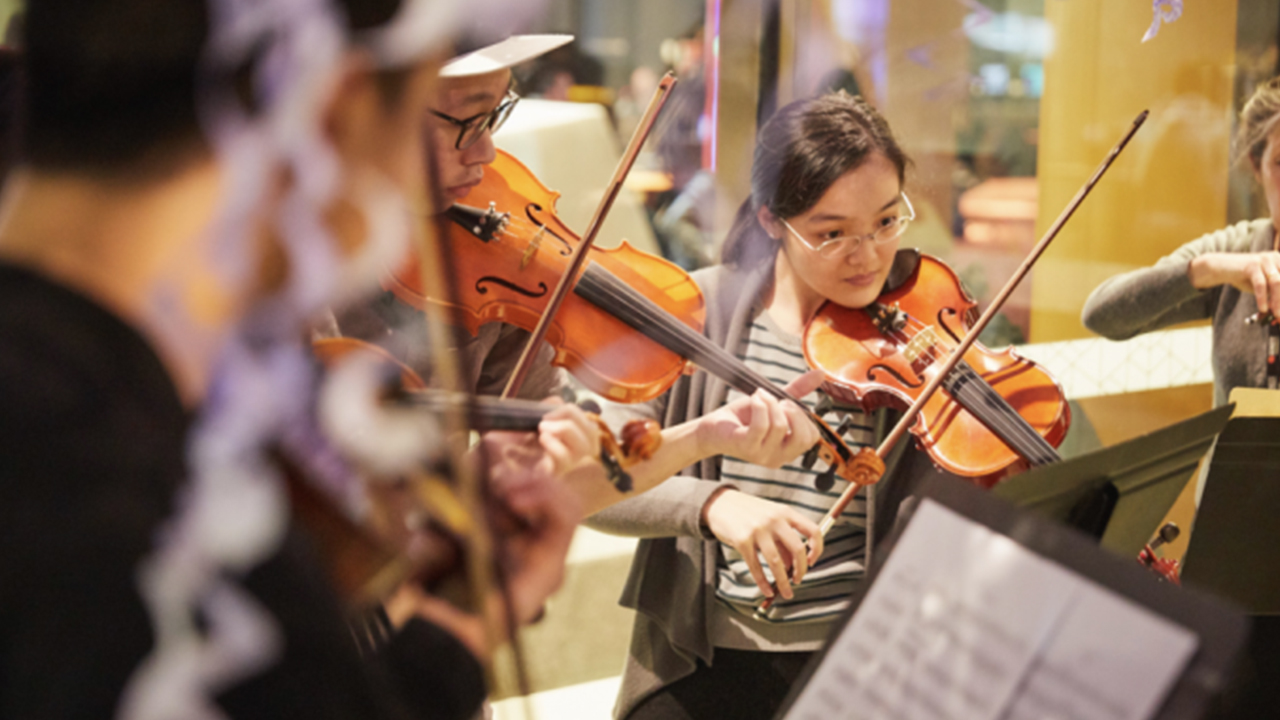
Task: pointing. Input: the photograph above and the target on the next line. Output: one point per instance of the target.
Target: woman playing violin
(1231, 275)
(823, 222)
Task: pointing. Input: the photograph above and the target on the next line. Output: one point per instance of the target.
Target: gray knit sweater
(1162, 295)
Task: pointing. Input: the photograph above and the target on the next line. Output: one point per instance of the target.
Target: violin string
(607, 291)
(985, 403)
(1031, 445)
(991, 408)
(602, 288)
(490, 413)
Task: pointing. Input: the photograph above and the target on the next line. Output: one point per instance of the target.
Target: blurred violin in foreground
(640, 439)
(415, 527)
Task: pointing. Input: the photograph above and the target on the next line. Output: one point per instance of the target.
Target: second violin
(998, 411)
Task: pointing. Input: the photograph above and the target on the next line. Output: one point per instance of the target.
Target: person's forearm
(680, 448)
(1203, 272)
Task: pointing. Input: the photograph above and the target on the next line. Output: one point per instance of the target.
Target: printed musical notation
(965, 624)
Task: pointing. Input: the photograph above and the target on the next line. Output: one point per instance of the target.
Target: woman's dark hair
(800, 152)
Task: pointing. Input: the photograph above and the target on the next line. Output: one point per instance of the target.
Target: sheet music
(965, 624)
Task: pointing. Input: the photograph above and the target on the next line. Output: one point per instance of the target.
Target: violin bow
(872, 463)
(525, 364)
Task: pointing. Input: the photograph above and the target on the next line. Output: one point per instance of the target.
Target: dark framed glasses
(471, 129)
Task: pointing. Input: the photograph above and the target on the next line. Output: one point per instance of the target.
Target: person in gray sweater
(823, 222)
(1227, 276)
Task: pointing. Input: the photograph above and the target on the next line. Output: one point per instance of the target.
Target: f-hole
(945, 314)
(531, 211)
(871, 375)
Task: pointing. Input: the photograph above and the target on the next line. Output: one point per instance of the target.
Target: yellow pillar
(1171, 183)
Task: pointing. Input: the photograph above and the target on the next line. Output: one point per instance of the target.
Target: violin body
(877, 363)
(509, 276)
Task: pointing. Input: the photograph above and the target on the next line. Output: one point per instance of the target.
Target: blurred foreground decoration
(1163, 11)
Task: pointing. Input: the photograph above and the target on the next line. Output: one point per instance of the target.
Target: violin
(1168, 569)
(632, 324)
(507, 258)
(997, 413)
(414, 527)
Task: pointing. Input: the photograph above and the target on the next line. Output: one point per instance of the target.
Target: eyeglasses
(471, 129)
(834, 247)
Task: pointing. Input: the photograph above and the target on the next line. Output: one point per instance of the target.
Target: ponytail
(747, 245)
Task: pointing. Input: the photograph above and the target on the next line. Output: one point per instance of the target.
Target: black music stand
(1220, 629)
(1121, 493)
(1232, 549)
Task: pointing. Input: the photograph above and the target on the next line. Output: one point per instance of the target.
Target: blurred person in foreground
(116, 307)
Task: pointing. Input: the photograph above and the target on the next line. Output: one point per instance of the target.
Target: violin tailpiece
(485, 224)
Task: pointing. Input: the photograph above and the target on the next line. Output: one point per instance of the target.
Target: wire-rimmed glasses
(849, 244)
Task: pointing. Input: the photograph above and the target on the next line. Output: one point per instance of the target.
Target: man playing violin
(112, 319)
(475, 96)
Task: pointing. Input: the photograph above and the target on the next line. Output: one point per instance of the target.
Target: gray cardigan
(675, 563)
(1162, 295)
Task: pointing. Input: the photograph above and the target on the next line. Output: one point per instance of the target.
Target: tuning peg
(619, 478)
(845, 425)
(810, 457)
(826, 480)
(824, 405)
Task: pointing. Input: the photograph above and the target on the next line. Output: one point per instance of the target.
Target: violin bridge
(921, 346)
(534, 244)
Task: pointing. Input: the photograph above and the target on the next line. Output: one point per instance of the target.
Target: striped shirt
(826, 587)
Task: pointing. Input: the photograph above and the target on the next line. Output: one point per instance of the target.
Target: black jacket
(92, 438)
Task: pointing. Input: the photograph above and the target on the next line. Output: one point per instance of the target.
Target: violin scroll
(640, 440)
(1167, 568)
